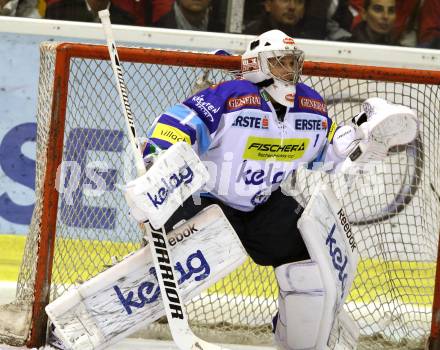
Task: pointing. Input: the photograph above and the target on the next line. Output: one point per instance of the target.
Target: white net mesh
(394, 209)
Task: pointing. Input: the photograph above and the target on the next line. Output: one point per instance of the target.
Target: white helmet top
(265, 58)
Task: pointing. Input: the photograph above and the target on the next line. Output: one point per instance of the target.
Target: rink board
(101, 252)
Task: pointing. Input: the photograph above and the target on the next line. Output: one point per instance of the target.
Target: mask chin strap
(265, 83)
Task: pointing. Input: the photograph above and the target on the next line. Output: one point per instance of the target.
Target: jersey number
(316, 140)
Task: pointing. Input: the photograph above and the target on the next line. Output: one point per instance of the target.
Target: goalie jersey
(246, 148)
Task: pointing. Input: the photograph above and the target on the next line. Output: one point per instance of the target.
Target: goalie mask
(274, 62)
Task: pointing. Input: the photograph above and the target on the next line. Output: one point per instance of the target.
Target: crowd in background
(387, 22)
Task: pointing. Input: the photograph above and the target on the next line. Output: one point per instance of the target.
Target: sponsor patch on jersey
(251, 100)
(205, 107)
(286, 150)
(268, 176)
(250, 65)
(313, 104)
(170, 134)
(310, 124)
(251, 122)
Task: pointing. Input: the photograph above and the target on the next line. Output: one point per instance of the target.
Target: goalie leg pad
(125, 297)
(331, 245)
(345, 333)
(301, 310)
(300, 305)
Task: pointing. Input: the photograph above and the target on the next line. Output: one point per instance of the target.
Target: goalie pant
(269, 233)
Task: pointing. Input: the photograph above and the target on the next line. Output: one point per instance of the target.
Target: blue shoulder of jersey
(199, 115)
(211, 103)
(241, 94)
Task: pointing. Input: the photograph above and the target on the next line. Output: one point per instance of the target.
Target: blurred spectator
(406, 19)
(340, 18)
(19, 8)
(129, 12)
(316, 18)
(191, 15)
(356, 7)
(160, 8)
(405, 30)
(429, 25)
(378, 20)
(69, 10)
(252, 11)
(297, 18)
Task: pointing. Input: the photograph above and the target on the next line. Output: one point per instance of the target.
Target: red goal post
(75, 232)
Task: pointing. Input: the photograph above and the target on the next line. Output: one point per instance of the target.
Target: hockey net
(394, 208)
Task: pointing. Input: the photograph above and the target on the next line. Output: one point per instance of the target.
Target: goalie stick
(181, 332)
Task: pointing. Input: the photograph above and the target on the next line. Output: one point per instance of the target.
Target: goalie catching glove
(175, 175)
(380, 126)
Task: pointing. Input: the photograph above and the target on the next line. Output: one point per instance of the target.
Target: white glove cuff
(345, 140)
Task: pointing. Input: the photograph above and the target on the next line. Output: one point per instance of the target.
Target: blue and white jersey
(247, 150)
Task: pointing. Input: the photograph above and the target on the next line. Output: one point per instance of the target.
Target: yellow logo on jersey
(170, 134)
(262, 148)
